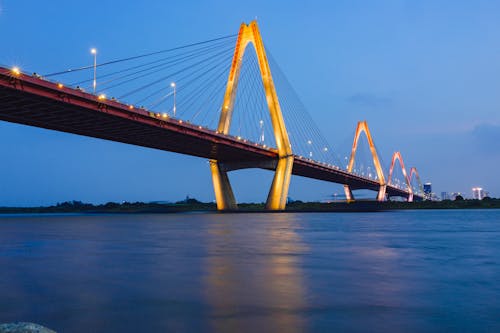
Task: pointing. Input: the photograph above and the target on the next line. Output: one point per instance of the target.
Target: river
(398, 271)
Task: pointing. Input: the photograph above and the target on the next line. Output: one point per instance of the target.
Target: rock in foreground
(23, 328)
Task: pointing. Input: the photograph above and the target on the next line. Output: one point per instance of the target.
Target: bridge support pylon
(348, 193)
(363, 127)
(224, 195)
(381, 195)
(278, 193)
(397, 157)
(420, 190)
(276, 200)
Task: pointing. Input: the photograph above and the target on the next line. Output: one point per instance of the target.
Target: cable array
(363, 162)
(398, 180)
(185, 82)
(306, 138)
(189, 83)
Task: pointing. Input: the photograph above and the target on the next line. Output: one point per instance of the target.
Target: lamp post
(94, 52)
(173, 85)
(309, 142)
(261, 124)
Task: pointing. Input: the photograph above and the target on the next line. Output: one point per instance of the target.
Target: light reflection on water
(254, 279)
(429, 271)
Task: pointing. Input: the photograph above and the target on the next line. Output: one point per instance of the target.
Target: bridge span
(35, 101)
(32, 101)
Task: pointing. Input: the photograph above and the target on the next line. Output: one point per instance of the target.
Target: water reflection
(254, 281)
(421, 271)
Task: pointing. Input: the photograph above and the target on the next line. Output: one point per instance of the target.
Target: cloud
(487, 132)
(370, 100)
(487, 136)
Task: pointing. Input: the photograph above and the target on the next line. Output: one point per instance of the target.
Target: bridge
(35, 100)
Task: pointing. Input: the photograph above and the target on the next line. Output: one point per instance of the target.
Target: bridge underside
(122, 125)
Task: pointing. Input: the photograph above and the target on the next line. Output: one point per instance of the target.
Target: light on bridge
(16, 70)
(101, 97)
(60, 85)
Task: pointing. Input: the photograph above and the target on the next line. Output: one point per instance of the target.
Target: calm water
(421, 271)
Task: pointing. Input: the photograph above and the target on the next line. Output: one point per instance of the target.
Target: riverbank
(192, 205)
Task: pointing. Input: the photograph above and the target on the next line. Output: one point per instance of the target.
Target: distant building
(478, 193)
(445, 196)
(428, 191)
(454, 195)
(428, 188)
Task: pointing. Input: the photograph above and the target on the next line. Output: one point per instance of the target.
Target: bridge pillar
(414, 172)
(381, 193)
(224, 195)
(397, 156)
(276, 200)
(348, 193)
(363, 128)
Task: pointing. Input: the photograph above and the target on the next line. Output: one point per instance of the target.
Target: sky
(424, 74)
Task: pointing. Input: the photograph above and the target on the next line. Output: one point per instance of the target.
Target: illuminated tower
(478, 193)
(428, 190)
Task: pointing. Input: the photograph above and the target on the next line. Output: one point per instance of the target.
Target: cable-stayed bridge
(225, 99)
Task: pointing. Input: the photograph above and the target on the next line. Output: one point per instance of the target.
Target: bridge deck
(35, 102)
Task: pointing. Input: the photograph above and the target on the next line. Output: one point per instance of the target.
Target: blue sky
(425, 74)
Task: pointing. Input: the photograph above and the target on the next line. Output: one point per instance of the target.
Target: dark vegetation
(193, 205)
(459, 203)
(113, 207)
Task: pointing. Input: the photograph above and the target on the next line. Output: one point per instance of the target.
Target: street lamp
(261, 124)
(173, 85)
(309, 142)
(94, 52)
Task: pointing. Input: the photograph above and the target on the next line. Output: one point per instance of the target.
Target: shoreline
(76, 207)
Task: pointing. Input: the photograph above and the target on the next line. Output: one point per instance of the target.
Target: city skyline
(419, 95)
